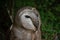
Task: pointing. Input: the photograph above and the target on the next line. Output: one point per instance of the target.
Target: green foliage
(22, 3)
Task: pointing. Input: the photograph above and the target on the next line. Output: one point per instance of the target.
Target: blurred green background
(49, 11)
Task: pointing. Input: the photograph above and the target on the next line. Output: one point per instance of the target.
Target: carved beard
(29, 19)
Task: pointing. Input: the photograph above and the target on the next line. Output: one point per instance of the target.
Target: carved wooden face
(28, 17)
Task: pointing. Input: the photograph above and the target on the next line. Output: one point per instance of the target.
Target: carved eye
(27, 16)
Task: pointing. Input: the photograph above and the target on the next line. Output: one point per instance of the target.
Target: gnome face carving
(26, 25)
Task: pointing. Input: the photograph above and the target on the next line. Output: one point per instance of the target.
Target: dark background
(49, 11)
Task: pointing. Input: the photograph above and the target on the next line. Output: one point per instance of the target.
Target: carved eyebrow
(27, 16)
